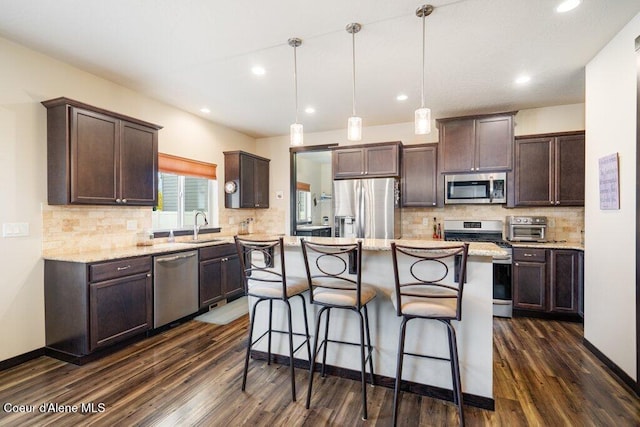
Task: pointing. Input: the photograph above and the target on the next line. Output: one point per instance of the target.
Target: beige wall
(533, 121)
(26, 79)
(610, 255)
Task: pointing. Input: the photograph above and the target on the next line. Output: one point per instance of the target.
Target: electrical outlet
(425, 221)
(15, 229)
(231, 220)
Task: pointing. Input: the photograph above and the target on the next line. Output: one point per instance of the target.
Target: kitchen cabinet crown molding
(73, 103)
(475, 116)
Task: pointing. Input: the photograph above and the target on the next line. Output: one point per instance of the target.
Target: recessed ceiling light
(205, 110)
(523, 80)
(402, 97)
(567, 5)
(309, 110)
(258, 70)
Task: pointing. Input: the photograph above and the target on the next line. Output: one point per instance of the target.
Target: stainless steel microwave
(476, 188)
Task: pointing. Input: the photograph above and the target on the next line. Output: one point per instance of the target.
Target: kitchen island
(474, 331)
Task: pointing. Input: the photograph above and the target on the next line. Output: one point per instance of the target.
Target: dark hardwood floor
(191, 375)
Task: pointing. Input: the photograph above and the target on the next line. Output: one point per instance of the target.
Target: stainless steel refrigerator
(367, 208)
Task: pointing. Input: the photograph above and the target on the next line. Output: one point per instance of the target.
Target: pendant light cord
(353, 46)
(423, 55)
(295, 78)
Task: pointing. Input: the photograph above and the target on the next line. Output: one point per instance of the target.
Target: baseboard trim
(384, 381)
(21, 358)
(564, 317)
(620, 375)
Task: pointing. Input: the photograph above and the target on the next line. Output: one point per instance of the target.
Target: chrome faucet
(196, 227)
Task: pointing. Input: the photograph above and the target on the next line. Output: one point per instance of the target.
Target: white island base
(474, 331)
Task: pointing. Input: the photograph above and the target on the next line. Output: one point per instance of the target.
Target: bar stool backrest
(429, 272)
(333, 266)
(262, 261)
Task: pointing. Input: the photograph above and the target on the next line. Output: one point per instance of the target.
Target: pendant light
(296, 134)
(423, 114)
(354, 125)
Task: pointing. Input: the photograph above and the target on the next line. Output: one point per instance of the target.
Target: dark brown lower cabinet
(89, 306)
(119, 308)
(529, 279)
(547, 280)
(564, 281)
(220, 275)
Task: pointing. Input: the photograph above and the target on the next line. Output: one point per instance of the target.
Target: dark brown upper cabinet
(367, 161)
(419, 175)
(99, 157)
(549, 170)
(248, 176)
(476, 143)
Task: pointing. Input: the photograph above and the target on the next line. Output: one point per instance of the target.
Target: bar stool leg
(291, 369)
(400, 357)
(326, 343)
(306, 326)
(369, 346)
(246, 360)
(312, 362)
(455, 364)
(269, 333)
(363, 364)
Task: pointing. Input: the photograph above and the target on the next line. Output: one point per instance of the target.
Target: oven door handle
(506, 260)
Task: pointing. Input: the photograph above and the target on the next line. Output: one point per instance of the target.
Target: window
(183, 190)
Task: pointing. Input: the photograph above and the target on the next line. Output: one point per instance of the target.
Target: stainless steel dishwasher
(175, 287)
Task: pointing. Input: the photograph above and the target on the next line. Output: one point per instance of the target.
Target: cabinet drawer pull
(126, 267)
(529, 254)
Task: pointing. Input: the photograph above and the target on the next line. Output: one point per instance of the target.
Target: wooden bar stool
(266, 279)
(334, 273)
(426, 289)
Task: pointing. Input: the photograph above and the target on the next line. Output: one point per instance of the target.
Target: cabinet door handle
(434, 203)
(361, 172)
(366, 173)
(517, 264)
(124, 200)
(126, 267)
(148, 274)
(118, 201)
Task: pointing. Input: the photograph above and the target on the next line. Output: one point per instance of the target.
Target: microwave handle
(491, 190)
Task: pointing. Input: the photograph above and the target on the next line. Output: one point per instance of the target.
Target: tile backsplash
(78, 229)
(564, 223)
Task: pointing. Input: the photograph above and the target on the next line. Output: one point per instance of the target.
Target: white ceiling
(195, 53)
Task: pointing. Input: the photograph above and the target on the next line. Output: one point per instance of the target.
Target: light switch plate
(15, 229)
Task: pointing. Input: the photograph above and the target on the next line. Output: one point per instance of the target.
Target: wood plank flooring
(191, 375)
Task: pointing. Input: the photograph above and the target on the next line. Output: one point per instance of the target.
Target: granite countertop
(479, 249)
(134, 251)
(559, 244)
(475, 249)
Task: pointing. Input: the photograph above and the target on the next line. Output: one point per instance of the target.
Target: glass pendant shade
(423, 121)
(297, 136)
(354, 128)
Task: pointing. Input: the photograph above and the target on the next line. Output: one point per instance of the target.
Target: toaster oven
(527, 228)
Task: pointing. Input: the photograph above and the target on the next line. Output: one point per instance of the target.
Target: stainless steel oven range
(488, 231)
